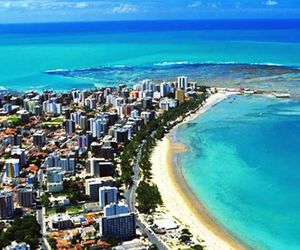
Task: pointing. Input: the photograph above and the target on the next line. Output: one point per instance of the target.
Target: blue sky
(12, 11)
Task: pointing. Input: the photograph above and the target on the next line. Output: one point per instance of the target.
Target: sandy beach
(179, 200)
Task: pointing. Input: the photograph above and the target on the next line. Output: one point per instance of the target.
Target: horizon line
(151, 20)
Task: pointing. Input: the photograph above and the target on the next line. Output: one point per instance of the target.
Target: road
(130, 198)
(40, 216)
(130, 193)
(41, 213)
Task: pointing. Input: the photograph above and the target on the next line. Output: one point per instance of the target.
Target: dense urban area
(76, 170)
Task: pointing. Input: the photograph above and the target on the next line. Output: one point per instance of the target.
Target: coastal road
(151, 236)
(130, 193)
(130, 198)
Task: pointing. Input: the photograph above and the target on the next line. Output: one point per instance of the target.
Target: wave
(55, 71)
(166, 64)
(171, 63)
(221, 63)
(2, 88)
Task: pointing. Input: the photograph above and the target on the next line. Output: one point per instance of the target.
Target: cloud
(81, 5)
(271, 3)
(195, 4)
(125, 8)
(41, 4)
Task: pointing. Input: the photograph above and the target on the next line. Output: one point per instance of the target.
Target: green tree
(52, 242)
(148, 197)
(60, 209)
(45, 200)
(24, 229)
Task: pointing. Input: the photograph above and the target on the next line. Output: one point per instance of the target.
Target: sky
(20, 11)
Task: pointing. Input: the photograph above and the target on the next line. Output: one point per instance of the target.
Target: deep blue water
(29, 50)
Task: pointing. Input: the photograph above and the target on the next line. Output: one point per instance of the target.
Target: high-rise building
(20, 154)
(121, 226)
(25, 196)
(182, 82)
(121, 134)
(6, 204)
(166, 103)
(39, 139)
(90, 102)
(75, 117)
(163, 89)
(52, 160)
(99, 126)
(180, 95)
(54, 175)
(67, 112)
(134, 113)
(148, 115)
(83, 141)
(52, 107)
(25, 115)
(7, 108)
(67, 163)
(92, 186)
(61, 222)
(107, 195)
(99, 167)
(83, 122)
(37, 110)
(70, 127)
(115, 209)
(12, 167)
(147, 103)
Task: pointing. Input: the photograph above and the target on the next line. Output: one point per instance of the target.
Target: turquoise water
(243, 163)
(28, 51)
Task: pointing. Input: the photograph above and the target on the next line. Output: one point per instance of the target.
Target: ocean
(243, 164)
(61, 56)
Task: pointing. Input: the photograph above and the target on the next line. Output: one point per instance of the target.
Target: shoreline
(178, 198)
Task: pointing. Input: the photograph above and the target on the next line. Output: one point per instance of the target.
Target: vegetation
(70, 209)
(52, 242)
(74, 191)
(14, 120)
(113, 241)
(24, 229)
(148, 197)
(197, 247)
(45, 200)
(59, 119)
(185, 236)
(159, 127)
(60, 209)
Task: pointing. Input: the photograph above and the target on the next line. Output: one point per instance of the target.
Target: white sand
(178, 199)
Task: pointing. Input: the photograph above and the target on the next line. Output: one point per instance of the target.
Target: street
(130, 198)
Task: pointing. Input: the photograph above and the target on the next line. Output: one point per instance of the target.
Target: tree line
(148, 196)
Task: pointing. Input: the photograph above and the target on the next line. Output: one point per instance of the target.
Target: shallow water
(245, 168)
